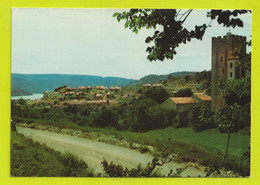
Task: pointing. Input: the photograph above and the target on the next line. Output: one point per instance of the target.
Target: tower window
(231, 65)
(231, 75)
(223, 71)
(221, 58)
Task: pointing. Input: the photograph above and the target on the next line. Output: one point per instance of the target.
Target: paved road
(93, 152)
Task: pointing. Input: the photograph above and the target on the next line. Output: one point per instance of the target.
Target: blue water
(30, 97)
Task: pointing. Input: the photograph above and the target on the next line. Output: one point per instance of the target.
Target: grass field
(210, 140)
(206, 147)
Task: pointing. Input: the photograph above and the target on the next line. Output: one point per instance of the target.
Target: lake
(30, 97)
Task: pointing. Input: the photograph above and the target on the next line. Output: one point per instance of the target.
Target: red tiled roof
(203, 97)
(183, 100)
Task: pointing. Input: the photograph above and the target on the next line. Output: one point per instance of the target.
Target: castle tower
(225, 66)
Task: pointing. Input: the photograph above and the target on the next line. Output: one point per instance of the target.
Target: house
(148, 86)
(180, 103)
(80, 95)
(115, 89)
(85, 88)
(100, 88)
(99, 96)
(202, 98)
(70, 94)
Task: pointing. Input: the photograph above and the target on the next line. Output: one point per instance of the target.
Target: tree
(159, 95)
(227, 117)
(186, 92)
(173, 32)
(187, 78)
(244, 58)
(237, 91)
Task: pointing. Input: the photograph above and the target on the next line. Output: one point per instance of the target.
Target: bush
(150, 170)
(228, 118)
(202, 117)
(140, 115)
(106, 118)
(184, 93)
(161, 117)
(233, 117)
(158, 95)
(118, 171)
(237, 91)
(182, 119)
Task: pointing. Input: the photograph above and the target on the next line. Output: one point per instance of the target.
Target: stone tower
(225, 66)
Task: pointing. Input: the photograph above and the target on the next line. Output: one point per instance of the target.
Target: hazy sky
(92, 42)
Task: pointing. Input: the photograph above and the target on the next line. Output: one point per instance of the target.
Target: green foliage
(159, 95)
(150, 170)
(140, 115)
(106, 118)
(202, 117)
(182, 119)
(203, 76)
(228, 118)
(143, 149)
(237, 91)
(73, 166)
(13, 125)
(161, 117)
(187, 78)
(174, 32)
(244, 58)
(186, 92)
(233, 117)
(21, 101)
(59, 88)
(152, 79)
(33, 159)
(114, 170)
(247, 155)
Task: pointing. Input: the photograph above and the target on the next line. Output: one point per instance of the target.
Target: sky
(92, 42)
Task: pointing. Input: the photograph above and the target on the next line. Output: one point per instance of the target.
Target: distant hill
(152, 79)
(20, 92)
(23, 84)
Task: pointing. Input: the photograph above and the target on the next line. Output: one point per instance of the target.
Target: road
(93, 152)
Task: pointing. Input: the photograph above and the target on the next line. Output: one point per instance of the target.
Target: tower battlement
(228, 37)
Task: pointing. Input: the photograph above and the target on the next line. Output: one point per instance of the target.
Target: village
(100, 95)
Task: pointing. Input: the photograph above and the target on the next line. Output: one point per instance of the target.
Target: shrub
(158, 95)
(202, 117)
(114, 170)
(106, 118)
(150, 170)
(237, 91)
(181, 120)
(161, 117)
(228, 118)
(143, 149)
(187, 92)
(233, 117)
